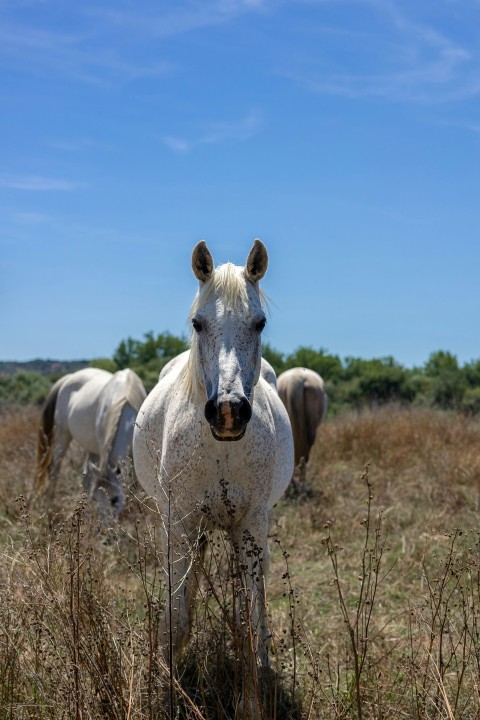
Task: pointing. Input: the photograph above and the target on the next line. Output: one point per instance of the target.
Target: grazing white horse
(98, 409)
(305, 398)
(213, 442)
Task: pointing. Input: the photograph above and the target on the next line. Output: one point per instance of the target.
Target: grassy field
(373, 593)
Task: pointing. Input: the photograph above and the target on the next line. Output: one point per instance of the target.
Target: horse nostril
(211, 412)
(244, 411)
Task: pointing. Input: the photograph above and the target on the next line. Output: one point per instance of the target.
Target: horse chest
(222, 481)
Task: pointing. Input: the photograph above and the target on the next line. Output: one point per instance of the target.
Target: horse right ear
(257, 262)
(202, 262)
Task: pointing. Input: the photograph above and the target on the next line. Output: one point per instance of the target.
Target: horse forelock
(229, 284)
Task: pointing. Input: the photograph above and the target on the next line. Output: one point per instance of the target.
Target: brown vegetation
(373, 593)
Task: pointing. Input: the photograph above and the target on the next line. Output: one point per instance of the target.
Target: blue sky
(345, 134)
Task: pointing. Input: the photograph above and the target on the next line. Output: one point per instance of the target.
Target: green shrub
(470, 402)
(104, 364)
(24, 387)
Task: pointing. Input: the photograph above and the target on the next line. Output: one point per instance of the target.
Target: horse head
(227, 319)
(104, 485)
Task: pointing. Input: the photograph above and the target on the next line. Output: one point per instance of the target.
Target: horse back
(77, 406)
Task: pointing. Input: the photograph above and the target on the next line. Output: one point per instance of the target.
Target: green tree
(146, 350)
(126, 353)
(327, 365)
(440, 362)
(169, 346)
(275, 358)
(163, 347)
(471, 373)
(448, 380)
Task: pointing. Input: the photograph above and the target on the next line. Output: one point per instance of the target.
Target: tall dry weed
(373, 591)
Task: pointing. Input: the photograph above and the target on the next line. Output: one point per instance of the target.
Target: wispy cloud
(37, 183)
(108, 45)
(178, 145)
(109, 41)
(85, 56)
(422, 64)
(181, 17)
(78, 145)
(31, 218)
(223, 132)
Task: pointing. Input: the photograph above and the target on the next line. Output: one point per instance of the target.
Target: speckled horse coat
(305, 398)
(97, 409)
(213, 442)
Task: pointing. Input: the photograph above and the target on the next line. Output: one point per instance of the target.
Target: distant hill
(44, 367)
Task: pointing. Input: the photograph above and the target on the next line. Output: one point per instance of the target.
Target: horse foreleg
(183, 561)
(97, 488)
(89, 474)
(250, 541)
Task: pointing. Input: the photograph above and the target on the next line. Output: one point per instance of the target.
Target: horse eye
(197, 325)
(260, 325)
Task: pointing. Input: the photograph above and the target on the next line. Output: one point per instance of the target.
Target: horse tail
(296, 405)
(45, 438)
(304, 421)
(316, 402)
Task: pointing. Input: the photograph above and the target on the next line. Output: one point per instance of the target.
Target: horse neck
(112, 426)
(121, 444)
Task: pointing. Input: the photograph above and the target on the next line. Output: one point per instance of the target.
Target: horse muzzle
(228, 420)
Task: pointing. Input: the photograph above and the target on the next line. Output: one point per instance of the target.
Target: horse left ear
(257, 262)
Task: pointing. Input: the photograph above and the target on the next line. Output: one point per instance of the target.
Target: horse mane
(229, 282)
(134, 395)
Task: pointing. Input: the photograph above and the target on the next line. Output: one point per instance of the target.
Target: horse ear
(257, 262)
(202, 261)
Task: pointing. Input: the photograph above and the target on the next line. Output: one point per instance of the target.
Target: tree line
(352, 382)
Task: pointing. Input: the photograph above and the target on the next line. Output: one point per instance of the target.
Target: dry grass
(423, 543)
(373, 593)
